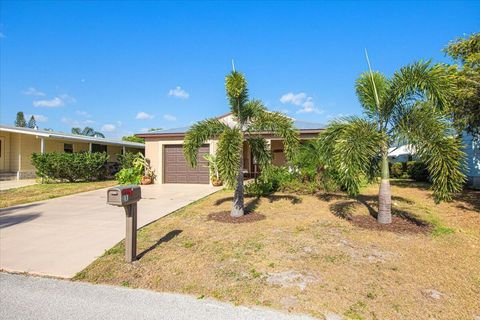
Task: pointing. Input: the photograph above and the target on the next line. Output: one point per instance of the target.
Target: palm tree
(87, 131)
(406, 108)
(251, 119)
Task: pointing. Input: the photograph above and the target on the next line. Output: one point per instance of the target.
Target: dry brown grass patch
(225, 217)
(304, 258)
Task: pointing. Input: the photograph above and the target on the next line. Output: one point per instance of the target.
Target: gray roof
(305, 125)
(70, 136)
(298, 124)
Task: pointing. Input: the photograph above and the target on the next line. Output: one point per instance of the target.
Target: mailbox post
(127, 197)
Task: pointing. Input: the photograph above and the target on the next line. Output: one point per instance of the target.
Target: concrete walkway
(11, 184)
(25, 297)
(62, 236)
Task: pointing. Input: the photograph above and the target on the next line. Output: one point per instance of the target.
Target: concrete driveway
(62, 236)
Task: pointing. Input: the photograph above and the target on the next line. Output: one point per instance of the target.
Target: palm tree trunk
(385, 194)
(238, 200)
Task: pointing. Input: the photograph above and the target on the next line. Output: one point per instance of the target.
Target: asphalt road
(27, 297)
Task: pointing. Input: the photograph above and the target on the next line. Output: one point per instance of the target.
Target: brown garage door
(176, 169)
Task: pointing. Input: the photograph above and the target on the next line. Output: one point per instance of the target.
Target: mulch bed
(398, 225)
(224, 217)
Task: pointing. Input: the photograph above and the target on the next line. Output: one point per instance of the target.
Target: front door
(2, 154)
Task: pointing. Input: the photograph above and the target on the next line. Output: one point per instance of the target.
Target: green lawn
(39, 192)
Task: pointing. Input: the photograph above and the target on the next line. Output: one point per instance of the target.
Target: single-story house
(18, 144)
(403, 153)
(164, 148)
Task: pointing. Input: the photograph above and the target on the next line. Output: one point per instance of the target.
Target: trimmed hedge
(80, 166)
(126, 160)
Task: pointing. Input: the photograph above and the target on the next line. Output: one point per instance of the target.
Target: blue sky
(121, 67)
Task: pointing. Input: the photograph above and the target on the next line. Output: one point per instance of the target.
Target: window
(68, 147)
(99, 148)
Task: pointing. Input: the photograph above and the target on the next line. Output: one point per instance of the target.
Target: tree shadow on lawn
(402, 220)
(471, 197)
(408, 183)
(169, 236)
(254, 201)
(361, 198)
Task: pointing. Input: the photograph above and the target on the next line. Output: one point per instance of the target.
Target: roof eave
(182, 134)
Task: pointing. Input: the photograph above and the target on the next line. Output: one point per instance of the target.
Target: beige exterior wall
(81, 147)
(278, 155)
(15, 151)
(112, 152)
(5, 157)
(154, 152)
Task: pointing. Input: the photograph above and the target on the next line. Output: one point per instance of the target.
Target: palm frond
(348, 147)
(433, 139)
(197, 135)
(260, 150)
(237, 92)
(251, 110)
(279, 125)
(421, 79)
(230, 145)
(365, 89)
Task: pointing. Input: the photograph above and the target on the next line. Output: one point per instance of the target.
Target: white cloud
(301, 99)
(58, 101)
(2, 35)
(144, 130)
(82, 113)
(338, 115)
(71, 122)
(67, 98)
(38, 117)
(143, 116)
(77, 123)
(33, 92)
(179, 93)
(308, 106)
(293, 98)
(53, 103)
(169, 117)
(108, 127)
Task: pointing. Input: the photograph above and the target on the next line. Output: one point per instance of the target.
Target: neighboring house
(18, 144)
(472, 149)
(400, 154)
(164, 148)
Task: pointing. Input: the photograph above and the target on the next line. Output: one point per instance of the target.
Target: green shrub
(307, 161)
(397, 170)
(269, 181)
(417, 171)
(126, 160)
(81, 166)
(300, 187)
(129, 175)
